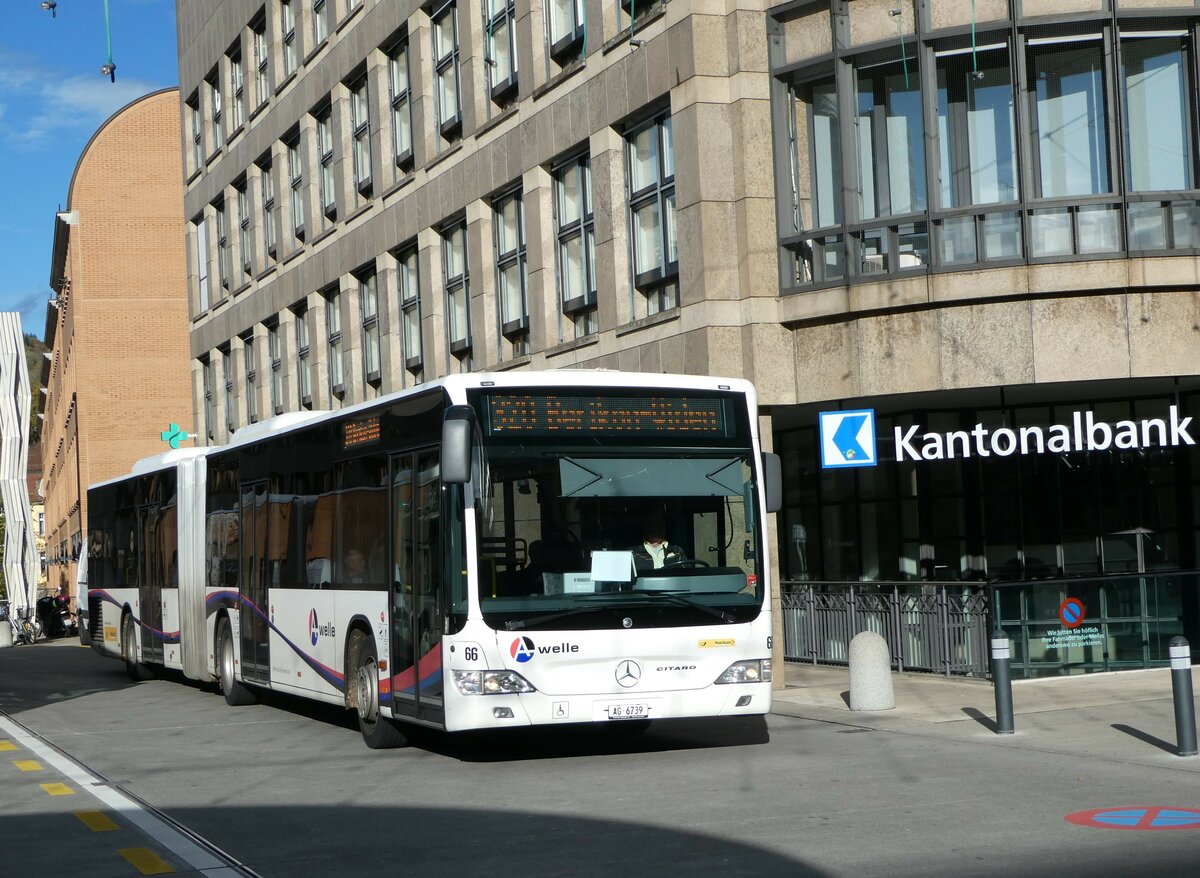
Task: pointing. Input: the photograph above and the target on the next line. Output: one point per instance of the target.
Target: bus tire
(378, 731)
(135, 669)
(236, 693)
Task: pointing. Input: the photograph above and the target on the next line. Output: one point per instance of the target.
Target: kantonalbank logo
(844, 438)
(316, 629)
(523, 650)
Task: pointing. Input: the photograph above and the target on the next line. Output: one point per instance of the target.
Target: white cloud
(40, 103)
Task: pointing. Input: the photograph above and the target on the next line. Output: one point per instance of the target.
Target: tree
(35, 352)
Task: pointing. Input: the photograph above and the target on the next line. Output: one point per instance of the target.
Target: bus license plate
(628, 711)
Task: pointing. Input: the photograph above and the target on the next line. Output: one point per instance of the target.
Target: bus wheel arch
(235, 691)
(362, 692)
(136, 670)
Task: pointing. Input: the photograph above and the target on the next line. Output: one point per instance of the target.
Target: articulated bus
(484, 551)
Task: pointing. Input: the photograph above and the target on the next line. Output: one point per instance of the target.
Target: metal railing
(933, 627)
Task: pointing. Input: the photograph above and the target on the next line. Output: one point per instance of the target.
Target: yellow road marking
(146, 861)
(96, 821)
(28, 764)
(6, 745)
(57, 789)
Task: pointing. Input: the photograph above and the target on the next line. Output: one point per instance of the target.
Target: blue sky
(52, 99)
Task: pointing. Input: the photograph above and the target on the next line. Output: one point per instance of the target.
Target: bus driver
(654, 551)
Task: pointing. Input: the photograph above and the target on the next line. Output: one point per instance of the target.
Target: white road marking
(166, 835)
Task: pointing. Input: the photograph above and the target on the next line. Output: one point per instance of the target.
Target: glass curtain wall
(1105, 165)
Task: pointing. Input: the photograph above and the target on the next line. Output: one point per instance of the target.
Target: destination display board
(532, 414)
(361, 432)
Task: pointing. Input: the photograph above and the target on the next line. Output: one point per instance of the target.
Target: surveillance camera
(109, 70)
(50, 6)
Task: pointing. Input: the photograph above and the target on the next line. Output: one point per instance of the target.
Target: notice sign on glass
(361, 432)
(548, 415)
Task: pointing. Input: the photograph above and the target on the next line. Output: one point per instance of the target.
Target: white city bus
(469, 554)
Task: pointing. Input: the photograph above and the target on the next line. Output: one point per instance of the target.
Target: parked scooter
(55, 615)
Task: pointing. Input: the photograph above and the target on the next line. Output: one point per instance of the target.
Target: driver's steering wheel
(687, 562)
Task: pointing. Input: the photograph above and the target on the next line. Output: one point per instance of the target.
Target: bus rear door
(253, 583)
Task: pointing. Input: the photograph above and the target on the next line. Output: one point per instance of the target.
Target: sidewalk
(1126, 715)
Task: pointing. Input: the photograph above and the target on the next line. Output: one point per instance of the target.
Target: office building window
(575, 226)
(891, 140)
(237, 88)
(401, 95)
(262, 65)
(1156, 85)
(360, 125)
(320, 16)
(276, 354)
(214, 95)
(501, 43)
(509, 224)
(567, 19)
(267, 184)
(227, 372)
(197, 133)
(410, 305)
(328, 181)
(368, 301)
(1070, 143)
(445, 69)
(287, 29)
(977, 142)
(210, 411)
(454, 270)
(224, 245)
(353, 4)
(250, 368)
(202, 263)
(333, 334)
(303, 361)
(243, 221)
(651, 155)
(295, 167)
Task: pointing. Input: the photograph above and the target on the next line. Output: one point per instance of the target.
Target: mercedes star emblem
(628, 673)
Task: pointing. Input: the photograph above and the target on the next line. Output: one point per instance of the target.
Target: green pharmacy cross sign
(173, 436)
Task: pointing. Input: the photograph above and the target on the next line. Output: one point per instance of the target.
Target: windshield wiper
(676, 598)
(517, 624)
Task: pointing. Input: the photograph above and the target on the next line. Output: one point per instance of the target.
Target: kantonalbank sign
(848, 438)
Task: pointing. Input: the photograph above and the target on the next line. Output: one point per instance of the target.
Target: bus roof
(455, 386)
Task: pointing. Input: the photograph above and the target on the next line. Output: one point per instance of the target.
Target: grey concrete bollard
(6, 634)
(870, 673)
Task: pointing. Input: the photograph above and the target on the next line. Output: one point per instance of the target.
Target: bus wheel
(236, 692)
(379, 732)
(135, 669)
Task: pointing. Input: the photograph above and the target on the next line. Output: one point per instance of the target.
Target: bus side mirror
(458, 429)
(773, 481)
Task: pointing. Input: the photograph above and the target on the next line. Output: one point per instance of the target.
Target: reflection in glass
(826, 157)
(976, 134)
(1156, 92)
(891, 137)
(1071, 149)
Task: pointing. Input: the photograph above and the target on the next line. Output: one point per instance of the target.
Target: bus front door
(255, 631)
(417, 574)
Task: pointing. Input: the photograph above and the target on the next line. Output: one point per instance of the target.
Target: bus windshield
(585, 536)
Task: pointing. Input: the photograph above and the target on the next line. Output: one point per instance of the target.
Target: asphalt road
(288, 789)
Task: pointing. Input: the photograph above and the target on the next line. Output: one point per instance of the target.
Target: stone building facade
(944, 217)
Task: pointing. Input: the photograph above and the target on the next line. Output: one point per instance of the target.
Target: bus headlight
(491, 683)
(748, 671)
